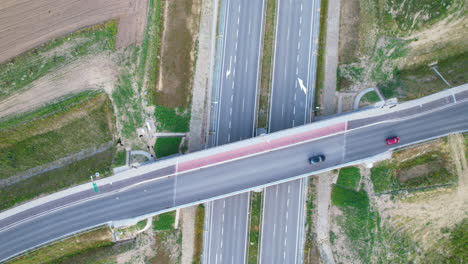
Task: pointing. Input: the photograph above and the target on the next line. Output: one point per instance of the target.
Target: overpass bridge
(231, 169)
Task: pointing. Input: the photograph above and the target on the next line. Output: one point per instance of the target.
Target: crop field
(34, 64)
(33, 146)
(38, 21)
(53, 132)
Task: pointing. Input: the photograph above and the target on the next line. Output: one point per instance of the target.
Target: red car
(392, 140)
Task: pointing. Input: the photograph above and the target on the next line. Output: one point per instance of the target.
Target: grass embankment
(367, 239)
(199, 225)
(168, 239)
(164, 221)
(57, 179)
(64, 251)
(421, 81)
(388, 44)
(311, 253)
(126, 99)
(50, 133)
(150, 48)
(466, 146)
(429, 169)
(370, 98)
(167, 146)
(172, 93)
(120, 158)
(55, 131)
(267, 63)
(27, 67)
(254, 227)
(349, 177)
(172, 120)
(321, 53)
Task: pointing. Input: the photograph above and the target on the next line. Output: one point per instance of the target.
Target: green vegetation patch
(376, 36)
(422, 81)
(172, 120)
(429, 169)
(383, 177)
(466, 146)
(401, 17)
(267, 62)
(371, 97)
(120, 158)
(321, 53)
(164, 221)
(458, 243)
(27, 67)
(342, 197)
(311, 253)
(166, 146)
(56, 179)
(369, 240)
(349, 177)
(451, 247)
(254, 231)
(62, 252)
(150, 48)
(127, 101)
(34, 140)
(199, 225)
(425, 170)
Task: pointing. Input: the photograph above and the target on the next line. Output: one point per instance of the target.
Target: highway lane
(231, 177)
(294, 71)
(223, 246)
(293, 79)
(239, 73)
(282, 217)
(235, 121)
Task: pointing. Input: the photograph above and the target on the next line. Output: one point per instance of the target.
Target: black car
(317, 159)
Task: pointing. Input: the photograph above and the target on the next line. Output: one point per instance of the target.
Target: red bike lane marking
(260, 147)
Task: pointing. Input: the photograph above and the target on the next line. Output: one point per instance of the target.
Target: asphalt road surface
(282, 235)
(227, 235)
(366, 139)
(283, 218)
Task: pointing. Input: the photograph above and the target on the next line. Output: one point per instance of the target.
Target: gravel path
(188, 233)
(331, 58)
(202, 83)
(325, 181)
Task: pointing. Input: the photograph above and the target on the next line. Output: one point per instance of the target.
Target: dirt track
(25, 24)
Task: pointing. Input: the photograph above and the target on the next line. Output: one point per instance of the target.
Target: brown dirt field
(132, 26)
(95, 72)
(417, 171)
(349, 31)
(181, 20)
(25, 24)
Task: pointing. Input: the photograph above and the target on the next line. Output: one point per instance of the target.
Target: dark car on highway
(317, 159)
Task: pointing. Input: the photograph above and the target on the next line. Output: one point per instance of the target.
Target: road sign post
(95, 187)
